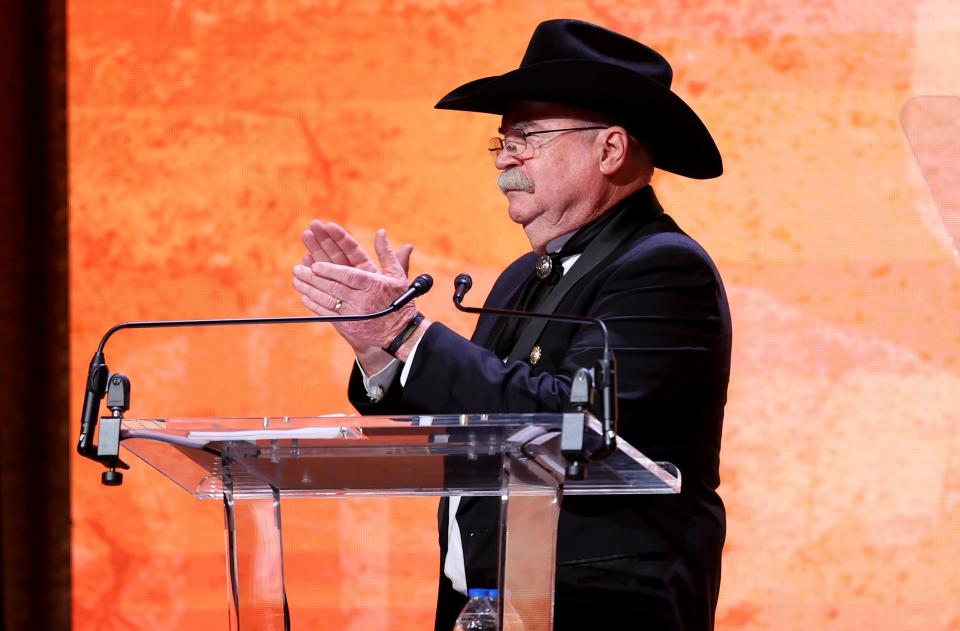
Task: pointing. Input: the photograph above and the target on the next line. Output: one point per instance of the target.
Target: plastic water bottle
(480, 613)
(493, 596)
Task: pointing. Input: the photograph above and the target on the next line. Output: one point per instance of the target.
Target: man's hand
(330, 243)
(336, 268)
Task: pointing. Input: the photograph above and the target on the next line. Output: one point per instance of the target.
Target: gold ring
(337, 306)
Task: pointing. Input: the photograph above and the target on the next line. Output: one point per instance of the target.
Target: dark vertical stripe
(34, 445)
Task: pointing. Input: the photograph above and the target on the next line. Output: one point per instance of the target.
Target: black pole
(34, 434)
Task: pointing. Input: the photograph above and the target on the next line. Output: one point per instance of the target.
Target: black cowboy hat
(584, 65)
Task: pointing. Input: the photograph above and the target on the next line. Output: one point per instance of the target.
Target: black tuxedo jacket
(666, 310)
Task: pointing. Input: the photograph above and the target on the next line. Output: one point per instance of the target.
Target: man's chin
(517, 206)
(518, 214)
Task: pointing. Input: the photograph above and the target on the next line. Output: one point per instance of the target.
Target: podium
(253, 464)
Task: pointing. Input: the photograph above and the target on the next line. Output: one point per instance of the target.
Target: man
(585, 119)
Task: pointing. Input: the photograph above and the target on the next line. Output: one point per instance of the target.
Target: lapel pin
(535, 354)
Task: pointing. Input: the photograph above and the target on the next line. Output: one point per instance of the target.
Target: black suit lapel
(503, 294)
(641, 213)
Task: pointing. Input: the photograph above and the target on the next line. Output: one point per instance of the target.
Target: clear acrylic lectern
(252, 465)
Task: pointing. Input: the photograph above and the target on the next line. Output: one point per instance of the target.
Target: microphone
(462, 284)
(605, 374)
(420, 285)
(97, 375)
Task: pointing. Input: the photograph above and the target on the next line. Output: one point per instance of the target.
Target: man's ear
(614, 145)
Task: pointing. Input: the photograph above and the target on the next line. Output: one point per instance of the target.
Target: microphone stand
(118, 391)
(601, 381)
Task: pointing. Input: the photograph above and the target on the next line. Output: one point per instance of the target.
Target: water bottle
(493, 596)
(479, 614)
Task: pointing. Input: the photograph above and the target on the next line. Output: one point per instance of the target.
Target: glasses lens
(495, 147)
(514, 143)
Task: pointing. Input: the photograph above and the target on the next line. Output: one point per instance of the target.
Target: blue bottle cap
(475, 592)
(493, 593)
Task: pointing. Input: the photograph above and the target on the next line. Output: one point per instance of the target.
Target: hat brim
(680, 141)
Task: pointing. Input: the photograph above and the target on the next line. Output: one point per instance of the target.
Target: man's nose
(506, 160)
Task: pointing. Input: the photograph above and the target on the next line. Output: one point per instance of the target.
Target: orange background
(205, 134)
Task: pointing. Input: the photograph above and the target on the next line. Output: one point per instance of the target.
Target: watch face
(544, 267)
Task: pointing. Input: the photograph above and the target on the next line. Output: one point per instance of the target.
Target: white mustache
(515, 180)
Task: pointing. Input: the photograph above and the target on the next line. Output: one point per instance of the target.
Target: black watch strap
(404, 334)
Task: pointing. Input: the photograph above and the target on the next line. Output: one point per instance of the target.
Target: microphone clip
(117, 390)
(573, 427)
(593, 391)
(108, 447)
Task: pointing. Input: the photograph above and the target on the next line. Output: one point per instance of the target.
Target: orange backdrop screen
(206, 134)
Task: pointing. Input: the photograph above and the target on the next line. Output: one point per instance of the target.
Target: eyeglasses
(514, 142)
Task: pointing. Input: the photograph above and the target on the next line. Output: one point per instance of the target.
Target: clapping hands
(338, 276)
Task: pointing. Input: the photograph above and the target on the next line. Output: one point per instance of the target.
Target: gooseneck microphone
(461, 285)
(420, 285)
(605, 374)
(98, 374)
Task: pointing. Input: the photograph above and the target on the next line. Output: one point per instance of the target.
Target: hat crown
(569, 40)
